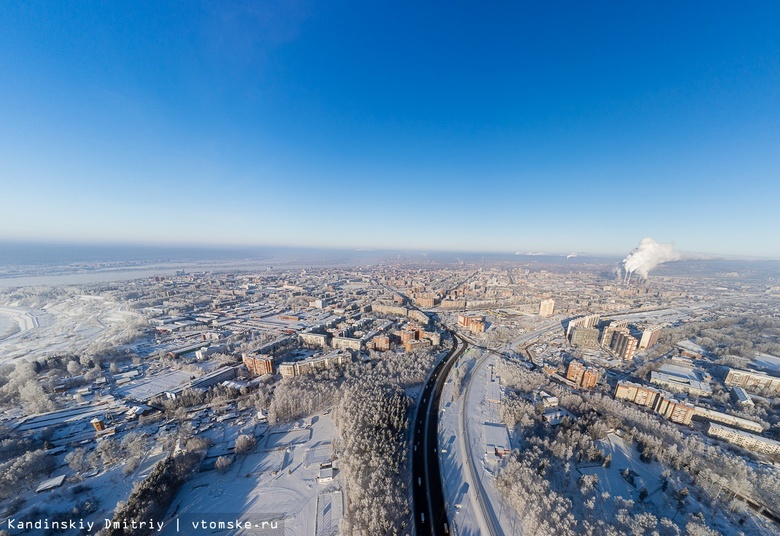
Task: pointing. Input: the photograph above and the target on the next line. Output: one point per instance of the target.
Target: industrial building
(681, 379)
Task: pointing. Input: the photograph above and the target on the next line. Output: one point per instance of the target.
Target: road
(430, 514)
(489, 520)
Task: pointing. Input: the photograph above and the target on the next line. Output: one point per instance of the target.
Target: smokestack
(647, 256)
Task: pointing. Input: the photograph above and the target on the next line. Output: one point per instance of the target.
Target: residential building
(679, 412)
(649, 337)
(589, 321)
(638, 394)
(731, 420)
(546, 308)
(741, 396)
(315, 340)
(584, 337)
(346, 343)
(744, 439)
(752, 380)
(313, 364)
(258, 364)
(474, 323)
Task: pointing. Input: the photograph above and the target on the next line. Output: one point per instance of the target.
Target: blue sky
(538, 126)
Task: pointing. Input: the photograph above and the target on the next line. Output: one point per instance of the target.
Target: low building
(204, 353)
(681, 379)
(346, 343)
(51, 483)
(496, 439)
(730, 420)
(554, 416)
(315, 340)
(744, 439)
(214, 377)
(741, 397)
(752, 380)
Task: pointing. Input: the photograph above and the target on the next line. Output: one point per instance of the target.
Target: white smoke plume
(647, 256)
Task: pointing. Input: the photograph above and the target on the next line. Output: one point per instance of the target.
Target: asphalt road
(429, 509)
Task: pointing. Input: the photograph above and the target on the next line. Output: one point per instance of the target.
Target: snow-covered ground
(767, 361)
(478, 410)
(462, 508)
(646, 475)
(277, 480)
(71, 324)
(461, 490)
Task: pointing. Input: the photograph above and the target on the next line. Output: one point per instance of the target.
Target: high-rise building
(575, 372)
(546, 308)
(589, 321)
(585, 377)
(649, 337)
(590, 378)
(609, 331)
(623, 344)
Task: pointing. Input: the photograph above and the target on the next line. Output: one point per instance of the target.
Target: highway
(430, 514)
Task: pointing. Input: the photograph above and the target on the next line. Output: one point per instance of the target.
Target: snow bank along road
(488, 519)
(429, 511)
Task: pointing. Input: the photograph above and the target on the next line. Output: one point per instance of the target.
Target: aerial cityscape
(315, 269)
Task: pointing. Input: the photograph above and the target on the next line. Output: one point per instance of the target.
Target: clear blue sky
(533, 126)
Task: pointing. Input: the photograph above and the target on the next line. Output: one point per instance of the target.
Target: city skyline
(438, 127)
